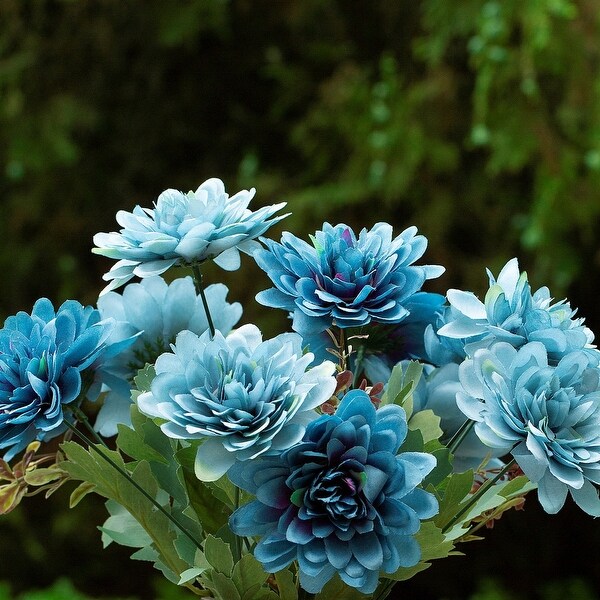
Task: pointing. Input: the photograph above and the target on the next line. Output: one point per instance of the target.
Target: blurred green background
(476, 120)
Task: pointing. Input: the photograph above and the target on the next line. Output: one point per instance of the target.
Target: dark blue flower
(342, 279)
(341, 501)
(42, 356)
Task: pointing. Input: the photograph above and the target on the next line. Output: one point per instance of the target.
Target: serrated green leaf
(457, 488)
(143, 380)
(222, 587)
(286, 585)
(516, 487)
(413, 442)
(133, 444)
(190, 575)
(442, 469)
(80, 492)
(428, 423)
(336, 589)
(248, 572)
(218, 554)
(123, 528)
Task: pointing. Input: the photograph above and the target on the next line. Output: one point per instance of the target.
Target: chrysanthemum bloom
(511, 313)
(42, 356)
(243, 396)
(547, 416)
(342, 279)
(155, 313)
(184, 229)
(341, 501)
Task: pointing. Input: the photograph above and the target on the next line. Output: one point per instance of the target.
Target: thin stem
(135, 484)
(237, 540)
(200, 291)
(360, 353)
(385, 590)
(344, 350)
(82, 418)
(460, 435)
(482, 490)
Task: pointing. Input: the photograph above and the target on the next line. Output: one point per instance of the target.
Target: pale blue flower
(512, 314)
(184, 229)
(42, 357)
(343, 279)
(341, 501)
(242, 396)
(547, 416)
(155, 313)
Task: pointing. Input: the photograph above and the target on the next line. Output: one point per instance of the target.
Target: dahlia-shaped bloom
(243, 396)
(42, 356)
(154, 313)
(184, 229)
(547, 416)
(342, 279)
(511, 313)
(341, 501)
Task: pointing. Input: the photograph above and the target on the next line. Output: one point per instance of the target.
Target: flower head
(341, 501)
(547, 416)
(42, 356)
(154, 313)
(512, 314)
(184, 229)
(243, 396)
(344, 279)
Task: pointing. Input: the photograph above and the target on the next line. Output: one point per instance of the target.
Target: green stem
(344, 350)
(482, 490)
(385, 590)
(360, 353)
(82, 418)
(135, 484)
(460, 435)
(200, 291)
(237, 540)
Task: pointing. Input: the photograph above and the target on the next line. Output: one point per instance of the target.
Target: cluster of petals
(343, 279)
(184, 229)
(153, 313)
(341, 501)
(547, 416)
(244, 397)
(511, 313)
(42, 356)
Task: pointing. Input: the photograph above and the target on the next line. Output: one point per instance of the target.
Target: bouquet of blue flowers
(332, 461)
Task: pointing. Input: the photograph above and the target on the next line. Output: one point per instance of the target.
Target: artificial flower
(343, 279)
(341, 501)
(547, 416)
(42, 356)
(184, 229)
(243, 396)
(154, 313)
(511, 313)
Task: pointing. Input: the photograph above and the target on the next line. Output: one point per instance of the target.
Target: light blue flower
(242, 396)
(42, 356)
(155, 313)
(341, 501)
(547, 416)
(512, 314)
(342, 279)
(184, 229)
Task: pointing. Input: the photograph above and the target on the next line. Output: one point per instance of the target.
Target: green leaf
(80, 492)
(336, 589)
(286, 585)
(428, 423)
(458, 487)
(143, 380)
(222, 586)
(442, 469)
(218, 554)
(122, 528)
(248, 572)
(134, 445)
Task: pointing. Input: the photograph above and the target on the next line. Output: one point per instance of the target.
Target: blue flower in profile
(341, 501)
(244, 397)
(184, 229)
(512, 314)
(154, 313)
(42, 357)
(342, 279)
(547, 416)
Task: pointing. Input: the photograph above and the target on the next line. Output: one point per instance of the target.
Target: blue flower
(512, 314)
(547, 416)
(42, 356)
(341, 501)
(342, 279)
(154, 313)
(184, 229)
(242, 396)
